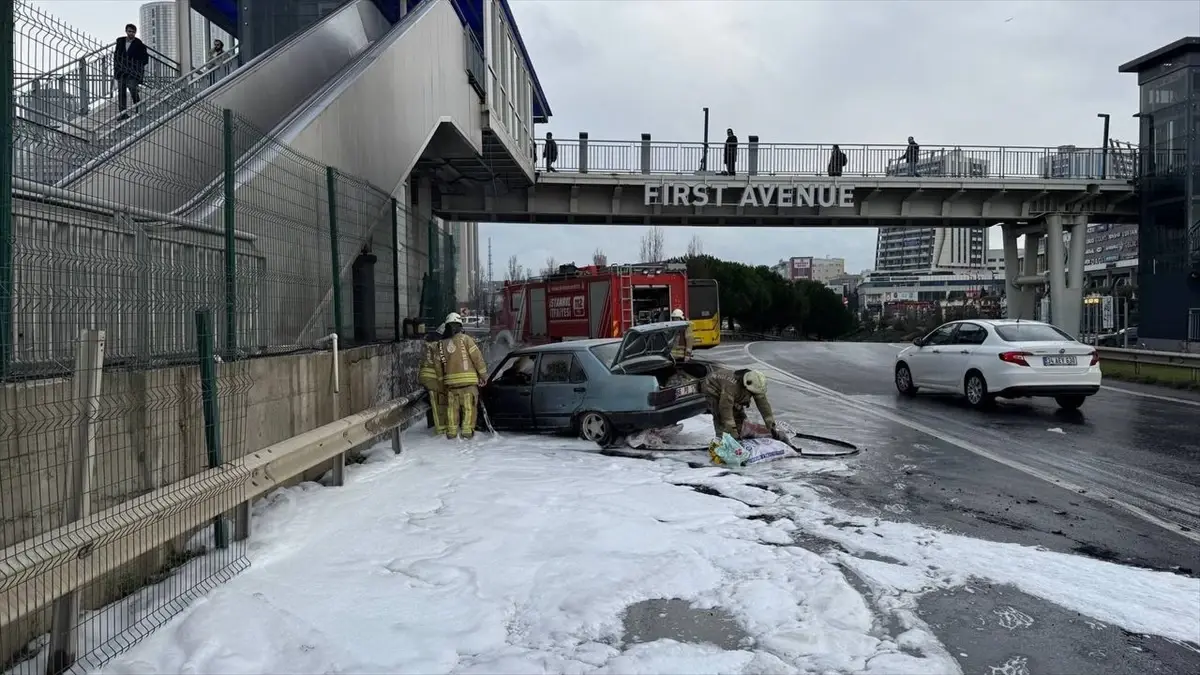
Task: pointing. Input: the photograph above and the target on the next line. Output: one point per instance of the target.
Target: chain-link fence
(146, 263)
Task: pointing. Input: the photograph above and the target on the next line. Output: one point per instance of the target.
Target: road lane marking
(1157, 397)
(1092, 493)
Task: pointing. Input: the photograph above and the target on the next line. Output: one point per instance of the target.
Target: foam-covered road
(1120, 480)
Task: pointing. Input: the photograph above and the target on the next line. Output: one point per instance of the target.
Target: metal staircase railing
(49, 149)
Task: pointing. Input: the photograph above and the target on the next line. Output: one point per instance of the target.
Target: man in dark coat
(130, 57)
(550, 154)
(911, 154)
(731, 145)
(837, 162)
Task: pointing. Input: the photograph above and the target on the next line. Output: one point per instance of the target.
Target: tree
(598, 257)
(551, 266)
(515, 272)
(652, 245)
(695, 246)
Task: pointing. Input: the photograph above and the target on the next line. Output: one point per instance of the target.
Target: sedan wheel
(596, 428)
(976, 390)
(904, 383)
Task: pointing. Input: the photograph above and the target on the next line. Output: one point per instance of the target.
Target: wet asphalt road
(1145, 452)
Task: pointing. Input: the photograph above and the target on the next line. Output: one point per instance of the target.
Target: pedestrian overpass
(1031, 192)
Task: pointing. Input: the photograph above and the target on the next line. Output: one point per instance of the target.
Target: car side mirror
(919, 342)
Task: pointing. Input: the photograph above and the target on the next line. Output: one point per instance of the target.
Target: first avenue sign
(800, 195)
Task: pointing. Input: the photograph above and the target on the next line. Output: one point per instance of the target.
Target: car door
(955, 358)
(558, 391)
(508, 396)
(926, 364)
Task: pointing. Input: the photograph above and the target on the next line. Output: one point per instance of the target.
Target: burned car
(599, 389)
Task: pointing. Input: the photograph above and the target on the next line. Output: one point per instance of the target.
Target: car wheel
(975, 388)
(1069, 402)
(904, 381)
(596, 428)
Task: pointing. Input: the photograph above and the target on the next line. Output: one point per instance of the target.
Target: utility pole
(704, 151)
(490, 303)
(1104, 148)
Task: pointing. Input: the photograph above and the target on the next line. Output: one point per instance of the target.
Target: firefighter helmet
(755, 382)
(677, 314)
(453, 317)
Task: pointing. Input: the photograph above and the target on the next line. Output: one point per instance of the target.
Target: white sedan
(983, 359)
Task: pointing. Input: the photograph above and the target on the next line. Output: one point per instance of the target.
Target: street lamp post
(704, 155)
(1104, 150)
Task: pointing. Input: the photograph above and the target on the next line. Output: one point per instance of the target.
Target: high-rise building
(925, 249)
(158, 28)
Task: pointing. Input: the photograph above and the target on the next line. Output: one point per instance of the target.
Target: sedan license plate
(1058, 361)
(687, 390)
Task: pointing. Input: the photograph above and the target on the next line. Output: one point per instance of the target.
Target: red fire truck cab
(590, 302)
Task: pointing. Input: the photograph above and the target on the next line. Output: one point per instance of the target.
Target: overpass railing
(647, 156)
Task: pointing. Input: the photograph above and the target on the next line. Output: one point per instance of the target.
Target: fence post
(334, 257)
(7, 27)
(583, 152)
(435, 289)
(89, 373)
(396, 321)
(752, 156)
(645, 153)
(85, 94)
(212, 413)
(230, 218)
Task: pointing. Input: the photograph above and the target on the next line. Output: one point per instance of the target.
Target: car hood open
(651, 339)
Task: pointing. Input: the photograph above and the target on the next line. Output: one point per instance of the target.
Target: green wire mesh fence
(147, 261)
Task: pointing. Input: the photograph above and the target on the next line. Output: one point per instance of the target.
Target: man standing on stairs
(463, 372)
(129, 67)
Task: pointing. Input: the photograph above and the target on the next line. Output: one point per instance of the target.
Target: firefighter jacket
(683, 348)
(431, 365)
(724, 388)
(462, 362)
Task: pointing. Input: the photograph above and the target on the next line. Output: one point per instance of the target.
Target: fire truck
(577, 303)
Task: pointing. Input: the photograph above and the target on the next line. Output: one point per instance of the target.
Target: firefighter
(463, 372)
(430, 377)
(729, 392)
(683, 349)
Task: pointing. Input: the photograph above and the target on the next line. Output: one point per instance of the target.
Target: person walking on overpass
(551, 152)
(729, 393)
(430, 376)
(683, 348)
(731, 148)
(129, 60)
(463, 372)
(911, 154)
(837, 162)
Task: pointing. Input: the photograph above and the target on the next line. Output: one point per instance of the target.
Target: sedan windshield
(1031, 332)
(607, 352)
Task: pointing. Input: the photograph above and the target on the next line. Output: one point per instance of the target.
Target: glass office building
(1169, 193)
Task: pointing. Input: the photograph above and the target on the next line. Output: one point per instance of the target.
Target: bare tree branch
(652, 245)
(514, 272)
(695, 246)
(598, 257)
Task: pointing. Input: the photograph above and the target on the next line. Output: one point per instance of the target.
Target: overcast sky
(806, 71)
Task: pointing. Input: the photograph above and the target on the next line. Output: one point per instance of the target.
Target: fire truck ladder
(625, 288)
(518, 334)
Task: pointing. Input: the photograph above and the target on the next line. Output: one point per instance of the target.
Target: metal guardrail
(36, 572)
(648, 156)
(1149, 357)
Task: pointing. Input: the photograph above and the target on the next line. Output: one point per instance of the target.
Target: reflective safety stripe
(461, 379)
(427, 372)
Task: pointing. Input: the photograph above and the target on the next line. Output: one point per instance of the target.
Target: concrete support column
(183, 28)
(646, 153)
(1071, 315)
(1064, 312)
(1020, 299)
(583, 152)
(752, 162)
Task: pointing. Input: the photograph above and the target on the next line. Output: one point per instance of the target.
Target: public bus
(704, 312)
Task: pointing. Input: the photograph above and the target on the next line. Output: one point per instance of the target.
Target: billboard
(801, 268)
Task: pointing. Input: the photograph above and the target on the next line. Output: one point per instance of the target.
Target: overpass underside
(782, 201)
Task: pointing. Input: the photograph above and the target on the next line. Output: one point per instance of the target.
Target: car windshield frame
(606, 353)
(1046, 330)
